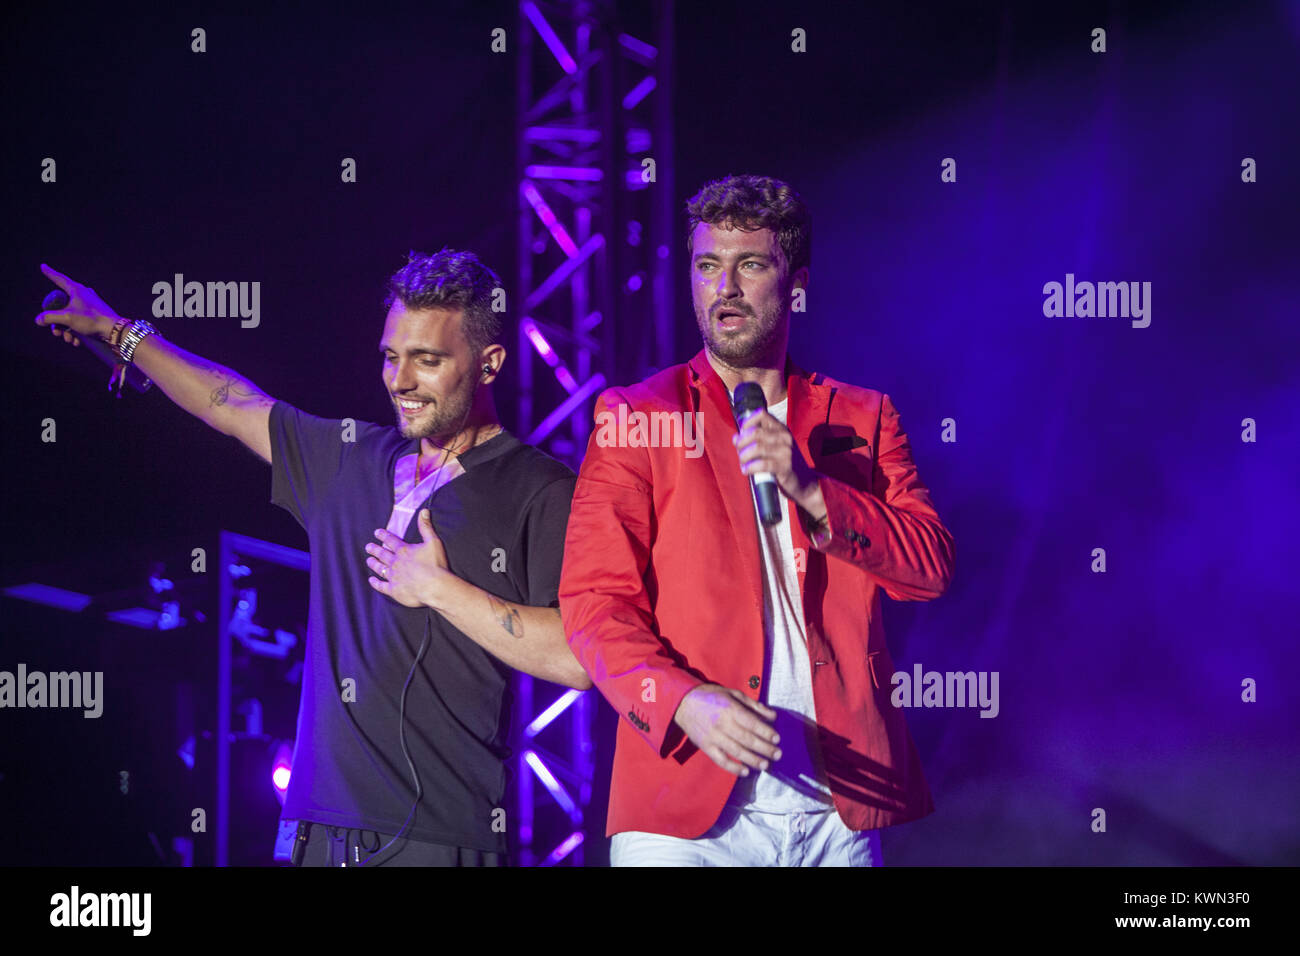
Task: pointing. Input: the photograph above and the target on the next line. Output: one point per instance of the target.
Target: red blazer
(661, 591)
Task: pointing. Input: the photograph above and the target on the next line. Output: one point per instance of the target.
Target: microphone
(58, 299)
(745, 401)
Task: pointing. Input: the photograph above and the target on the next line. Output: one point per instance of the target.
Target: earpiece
(487, 369)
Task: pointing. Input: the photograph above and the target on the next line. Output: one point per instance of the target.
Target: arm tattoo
(507, 617)
(221, 394)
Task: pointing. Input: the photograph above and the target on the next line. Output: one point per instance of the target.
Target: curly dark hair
(754, 202)
(450, 279)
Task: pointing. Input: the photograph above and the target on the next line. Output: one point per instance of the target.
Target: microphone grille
(747, 397)
(55, 299)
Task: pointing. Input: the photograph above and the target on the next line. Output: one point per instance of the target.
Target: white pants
(755, 838)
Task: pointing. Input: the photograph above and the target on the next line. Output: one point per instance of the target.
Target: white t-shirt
(796, 781)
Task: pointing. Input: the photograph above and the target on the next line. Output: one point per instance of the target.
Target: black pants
(339, 846)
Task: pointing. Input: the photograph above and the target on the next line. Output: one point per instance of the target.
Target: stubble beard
(756, 346)
(447, 415)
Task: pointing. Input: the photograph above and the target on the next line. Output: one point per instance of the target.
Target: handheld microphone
(745, 401)
(58, 299)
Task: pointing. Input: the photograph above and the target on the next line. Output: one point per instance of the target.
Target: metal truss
(592, 295)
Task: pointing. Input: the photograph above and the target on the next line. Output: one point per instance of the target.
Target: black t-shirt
(502, 524)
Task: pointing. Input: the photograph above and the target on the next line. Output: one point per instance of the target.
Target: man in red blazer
(748, 661)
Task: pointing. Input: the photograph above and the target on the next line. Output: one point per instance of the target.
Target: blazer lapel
(718, 424)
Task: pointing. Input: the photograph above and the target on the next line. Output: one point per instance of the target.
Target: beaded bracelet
(115, 336)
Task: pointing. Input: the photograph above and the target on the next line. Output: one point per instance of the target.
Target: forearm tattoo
(221, 394)
(507, 616)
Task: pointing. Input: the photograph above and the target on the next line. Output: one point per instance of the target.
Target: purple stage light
(550, 713)
(566, 269)
(281, 769)
(571, 843)
(553, 225)
(584, 174)
(639, 92)
(579, 134)
(539, 342)
(555, 788)
(551, 421)
(549, 37)
(637, 49)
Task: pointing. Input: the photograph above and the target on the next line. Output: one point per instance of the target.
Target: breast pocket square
(839, 443)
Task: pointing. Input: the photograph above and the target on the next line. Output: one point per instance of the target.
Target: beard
(757, 343)
(440, 420)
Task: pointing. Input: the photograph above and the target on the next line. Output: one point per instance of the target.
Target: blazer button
(754, 681)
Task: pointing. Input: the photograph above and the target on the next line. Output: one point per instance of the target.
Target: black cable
(428, 628)
(401, 733)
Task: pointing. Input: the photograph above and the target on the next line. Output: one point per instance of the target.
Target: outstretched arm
(212, 393)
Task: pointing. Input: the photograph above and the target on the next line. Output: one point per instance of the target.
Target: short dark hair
(754, 202)
(450, 279)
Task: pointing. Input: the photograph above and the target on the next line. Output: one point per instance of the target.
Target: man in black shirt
(405, 697)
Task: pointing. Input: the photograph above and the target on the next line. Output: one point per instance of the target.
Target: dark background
(1118, 690)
